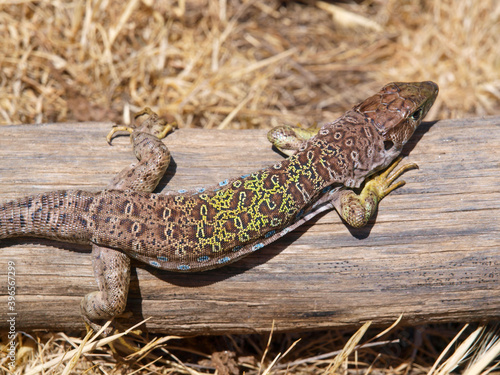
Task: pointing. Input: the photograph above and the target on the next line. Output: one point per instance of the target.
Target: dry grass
(247, 64)
(420, 350)
(241, 65)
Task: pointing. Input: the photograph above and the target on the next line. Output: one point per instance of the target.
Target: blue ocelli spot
(203, 258)
(183, 267)
(224, 183)
(182, 191)
(201, 190)
(162, 258)
(154, 263)
(245, 175)
(269, 234)
(257, 246)
(237, 248)
(223, 260)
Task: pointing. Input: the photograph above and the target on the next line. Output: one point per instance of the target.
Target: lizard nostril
(388, 145)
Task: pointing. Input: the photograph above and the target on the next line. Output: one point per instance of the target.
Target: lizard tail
(58, 215)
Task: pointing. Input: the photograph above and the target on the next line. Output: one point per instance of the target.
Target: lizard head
(398, 109)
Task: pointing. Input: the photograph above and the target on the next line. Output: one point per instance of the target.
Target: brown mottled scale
(207, 228)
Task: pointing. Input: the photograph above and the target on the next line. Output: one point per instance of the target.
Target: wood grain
(432, 252)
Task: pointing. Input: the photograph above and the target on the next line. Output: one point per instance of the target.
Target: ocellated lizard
(208, 228)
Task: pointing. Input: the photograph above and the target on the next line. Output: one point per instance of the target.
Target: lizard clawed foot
(149, 122)
(146, 121)
(381, 185)
(126, 345)
(355, 209)
(123, 345)
(118, 128)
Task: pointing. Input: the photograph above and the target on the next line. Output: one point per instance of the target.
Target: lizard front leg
(112, 267)
(289, 139)
(356, 209)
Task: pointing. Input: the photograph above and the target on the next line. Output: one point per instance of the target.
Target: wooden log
(432, 252)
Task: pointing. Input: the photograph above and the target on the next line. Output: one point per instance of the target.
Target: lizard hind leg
(146, 121)
(356, 209)
(149, 122)
(112, 267)
(112, 272)
(152, 153)
(288, 139)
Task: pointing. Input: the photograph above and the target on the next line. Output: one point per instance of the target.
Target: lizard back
(211, 227)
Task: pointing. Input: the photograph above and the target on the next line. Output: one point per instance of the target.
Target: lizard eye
(415, 116)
